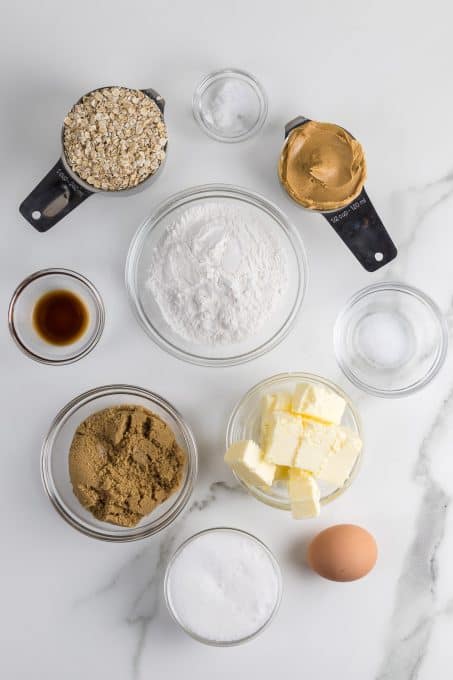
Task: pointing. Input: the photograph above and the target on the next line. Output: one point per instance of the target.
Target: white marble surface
(77, 608)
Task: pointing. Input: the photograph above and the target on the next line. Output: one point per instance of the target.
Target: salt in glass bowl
(245, 423)
(391, 339)
(55, 462)
(230, 105)
(172, 608)
(20, 316)
(147, 310)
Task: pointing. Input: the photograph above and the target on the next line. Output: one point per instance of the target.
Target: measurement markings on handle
(75, 187)
(344, 214)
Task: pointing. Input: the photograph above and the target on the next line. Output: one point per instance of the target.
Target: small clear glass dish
(147, 310)
(230, 105)
(171, 600)
(245, 423)
(390, 339)
(55, 465)
(20, 316)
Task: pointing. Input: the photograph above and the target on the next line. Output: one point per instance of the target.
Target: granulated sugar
(223, 586)
(217, 274)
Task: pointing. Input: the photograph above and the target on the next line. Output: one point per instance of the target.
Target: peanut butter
(322, 166)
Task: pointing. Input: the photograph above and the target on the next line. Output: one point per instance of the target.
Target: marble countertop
(73, 607)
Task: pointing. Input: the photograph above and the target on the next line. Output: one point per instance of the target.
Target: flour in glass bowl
(217, 274)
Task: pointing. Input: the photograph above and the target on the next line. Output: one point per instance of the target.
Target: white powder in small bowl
(223, 586)
(385, 339)
(231, 107)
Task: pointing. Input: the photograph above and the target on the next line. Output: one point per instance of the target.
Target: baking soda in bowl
(223, 586)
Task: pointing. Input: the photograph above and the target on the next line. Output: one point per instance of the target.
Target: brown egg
(344, 552)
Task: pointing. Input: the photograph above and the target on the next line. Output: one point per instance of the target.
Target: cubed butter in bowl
(295, 442)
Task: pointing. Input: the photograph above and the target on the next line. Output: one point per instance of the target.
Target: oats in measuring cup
(114, 138)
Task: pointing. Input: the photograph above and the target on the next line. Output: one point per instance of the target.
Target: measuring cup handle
(295, 123)
(361, 229)
(53, 198)
(155, 96)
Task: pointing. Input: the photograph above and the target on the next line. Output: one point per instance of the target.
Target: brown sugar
(123, 462)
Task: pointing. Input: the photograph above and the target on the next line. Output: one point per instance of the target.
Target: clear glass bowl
(230, 105)
(390, 339)
(20, 316)
(147, 310)
(170, 599)
(245, 422)
(55, 467)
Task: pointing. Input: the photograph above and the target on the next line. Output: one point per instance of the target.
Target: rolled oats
(114, 138)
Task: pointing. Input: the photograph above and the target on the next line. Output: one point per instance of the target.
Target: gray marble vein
(146, 569)
(422, 201)
(146, 603)
(212, 495)
(416, 607)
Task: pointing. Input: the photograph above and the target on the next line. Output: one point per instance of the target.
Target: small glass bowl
(20, 316)
(147, 310)
(245, 422)
(55, 466)
(391, 339)
(219, 115)
(173, 610)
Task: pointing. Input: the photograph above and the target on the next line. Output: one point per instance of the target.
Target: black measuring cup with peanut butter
(63, 188)
(322, 168)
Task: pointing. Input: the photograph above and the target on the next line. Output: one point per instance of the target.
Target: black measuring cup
(62, 190)
(357, 224)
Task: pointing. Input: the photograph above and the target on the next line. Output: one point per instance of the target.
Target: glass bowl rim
(235, 73)
(428, 302)
(181, 498)
(296, 375)
(94, 295)
(276, 568)
(178, 200)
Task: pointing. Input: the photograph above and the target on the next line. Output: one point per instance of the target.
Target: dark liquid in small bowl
(60, 317)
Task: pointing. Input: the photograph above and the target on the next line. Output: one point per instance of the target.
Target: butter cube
(278, 401)
(315, 446)
(344, 452)
(246, 459)
(304, 494)
(285, 432)
(282, 473)
(319, 402)
(281, 401)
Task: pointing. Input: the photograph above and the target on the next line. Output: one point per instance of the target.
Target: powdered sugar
(217, 273)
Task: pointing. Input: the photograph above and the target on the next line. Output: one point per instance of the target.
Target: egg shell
(344, 552)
